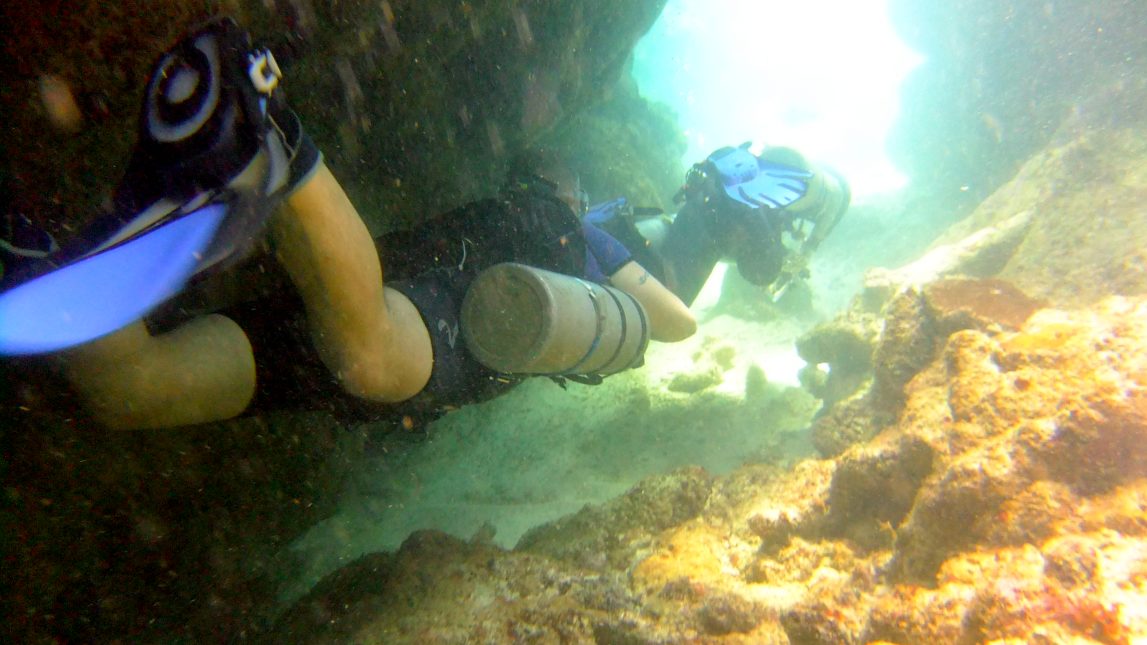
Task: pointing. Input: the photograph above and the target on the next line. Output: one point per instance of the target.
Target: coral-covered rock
(787, 506)
(845, 424)
(710, 363)
(694, 551)
(692, 382)
(1072, 416)
(845, 346)
(979, 253)
(440, 589)
(1086, 237)
(608, 536)
(960, 303)
(907, 343)
(863, 389)
(873, 489)
(918, 321)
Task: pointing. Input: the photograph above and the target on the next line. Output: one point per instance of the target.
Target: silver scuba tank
(518, 319)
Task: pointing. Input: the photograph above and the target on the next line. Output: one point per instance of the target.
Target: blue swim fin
(756, 182)
(107, 290)
(192, 196)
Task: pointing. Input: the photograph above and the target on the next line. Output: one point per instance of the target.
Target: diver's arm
(669, 319)
(371, 338)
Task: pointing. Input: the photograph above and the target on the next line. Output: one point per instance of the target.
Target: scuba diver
(474, 300)
(768, 213)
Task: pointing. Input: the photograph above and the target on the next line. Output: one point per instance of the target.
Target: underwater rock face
(998, 80)
(1007, 501)
(656, 504)
(1083, 197)
(967, 304)
(980, 253)
(894, 327)
(1067, 230)
(865, 387)
(439, 589)
(417, 105)
(845, 424)
(845, 346)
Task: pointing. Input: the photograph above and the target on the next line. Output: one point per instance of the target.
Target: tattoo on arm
(644, 277)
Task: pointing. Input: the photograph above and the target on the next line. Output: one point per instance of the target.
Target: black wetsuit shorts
(291, 376)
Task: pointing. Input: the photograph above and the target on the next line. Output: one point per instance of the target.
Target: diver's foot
(203, 117)
(212, 128)
(217, 151)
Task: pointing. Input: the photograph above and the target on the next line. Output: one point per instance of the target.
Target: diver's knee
(396, 364)
(231, 363)
(200, 372)
(375, 384)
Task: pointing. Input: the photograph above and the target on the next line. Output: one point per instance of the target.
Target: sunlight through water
(822, 76)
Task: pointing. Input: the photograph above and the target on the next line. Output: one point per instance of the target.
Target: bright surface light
(822, 76)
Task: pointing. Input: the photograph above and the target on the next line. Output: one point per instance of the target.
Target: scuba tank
(518, 319)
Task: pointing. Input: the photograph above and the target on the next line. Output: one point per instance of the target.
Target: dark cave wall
(625, 146)
(416, 104)
(433, 121)
(172, 535)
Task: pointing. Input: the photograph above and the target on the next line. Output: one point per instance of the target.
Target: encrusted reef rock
(1006, 501)
(1061, 402)
(607, 537)
(439, 589)
(894, 327)
(846, 423)
(917, 323)
(980, 253)
(868, 369)
(625, 145)
(845, 346)
(1066, 231)
(710, 363)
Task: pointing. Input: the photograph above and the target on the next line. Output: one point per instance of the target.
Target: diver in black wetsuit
(218, 152)
(737, 206)
(434, 264)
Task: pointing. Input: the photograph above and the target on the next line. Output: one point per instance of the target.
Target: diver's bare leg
(203, 371)
(371, 338)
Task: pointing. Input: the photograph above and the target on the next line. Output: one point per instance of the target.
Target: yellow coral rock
(693, 552)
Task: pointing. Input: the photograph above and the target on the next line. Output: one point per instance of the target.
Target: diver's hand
(794, 269)
(796, 265)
